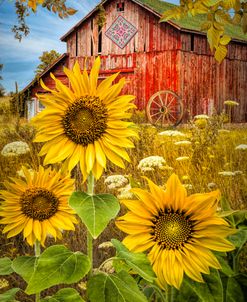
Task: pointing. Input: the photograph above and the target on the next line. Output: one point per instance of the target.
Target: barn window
(40, 106)
(99, 39)
(192, 42)
(76, 44)
(91, 37)
(120, 6)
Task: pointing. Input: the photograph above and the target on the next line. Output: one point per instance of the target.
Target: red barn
(156, 56)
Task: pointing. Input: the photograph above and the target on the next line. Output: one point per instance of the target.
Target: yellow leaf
(220, 53)
(222, 17)
(213, 36)
(236, 19)
(206, 25)
(209, 3)
(71, 11)
(225, 40)
(244, 23)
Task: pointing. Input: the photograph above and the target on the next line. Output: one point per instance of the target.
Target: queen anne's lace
(15, 149)
(151, 162)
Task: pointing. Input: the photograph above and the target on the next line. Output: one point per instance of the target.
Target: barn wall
(145, 73)
(204, 81)
(151, 35)
(57, 70)
(236, 50)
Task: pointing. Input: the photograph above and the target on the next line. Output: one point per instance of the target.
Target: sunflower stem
(90, 191)
(37, 254)
(169, 293)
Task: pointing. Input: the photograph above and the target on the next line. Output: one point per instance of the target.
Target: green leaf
(64, 295)
(24, 266)
(56, 265)
(5, 266)
(214, 284)
(138, 262)
(210, 291)
(226, 207)
(225, 267)
(95, 211)
(226, 213)
(233, 291)
(9, 296)
(119, 287)
(239, 238)
(239, 217)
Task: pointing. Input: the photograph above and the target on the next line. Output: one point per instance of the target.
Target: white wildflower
(241, 147)
(226, 173)
(212, 185)
(182, 158)
(173, 133)
(182, 143)
(116, 181)
(105, 245)
(201, 116)
(15, 149)
(124, 193)
(148, 163)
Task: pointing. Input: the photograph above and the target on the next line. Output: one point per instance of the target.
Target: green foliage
(5, 266)
(46, 59)
(64, 295)
(119, 287)
(55, 265)
(9, 296)
(136, 262)
(210, 291)
(24, 266)
(233, 291)
(95, 211)
(24, 8)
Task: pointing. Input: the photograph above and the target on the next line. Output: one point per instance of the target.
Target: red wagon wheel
(165, 108)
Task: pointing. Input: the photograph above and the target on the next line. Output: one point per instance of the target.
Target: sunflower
(83, 124)
(37, 206)
(179, 231)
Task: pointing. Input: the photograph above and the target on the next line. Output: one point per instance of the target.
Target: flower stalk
(90, 191)
(37, 254)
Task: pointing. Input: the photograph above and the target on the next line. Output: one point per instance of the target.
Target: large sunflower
(83, 124)
(37, 206)
(178, 231)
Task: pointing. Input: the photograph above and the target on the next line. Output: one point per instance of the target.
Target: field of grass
(205, 157)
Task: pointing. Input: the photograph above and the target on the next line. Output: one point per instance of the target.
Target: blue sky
(20, 59)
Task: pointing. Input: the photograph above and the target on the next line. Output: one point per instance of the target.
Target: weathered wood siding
(198, 79)
(151, 35)
(57, 70)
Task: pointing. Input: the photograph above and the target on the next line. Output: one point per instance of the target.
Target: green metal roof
(192, 23)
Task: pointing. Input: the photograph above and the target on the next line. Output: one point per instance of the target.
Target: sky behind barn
(20, 59)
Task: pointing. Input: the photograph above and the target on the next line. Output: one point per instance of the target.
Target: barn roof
(58, 60)
(157, 7)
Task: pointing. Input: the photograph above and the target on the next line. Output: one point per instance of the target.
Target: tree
(25, 7)
(219, 13)
(46, 59)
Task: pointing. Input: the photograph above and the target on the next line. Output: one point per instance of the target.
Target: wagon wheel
(165, 108)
